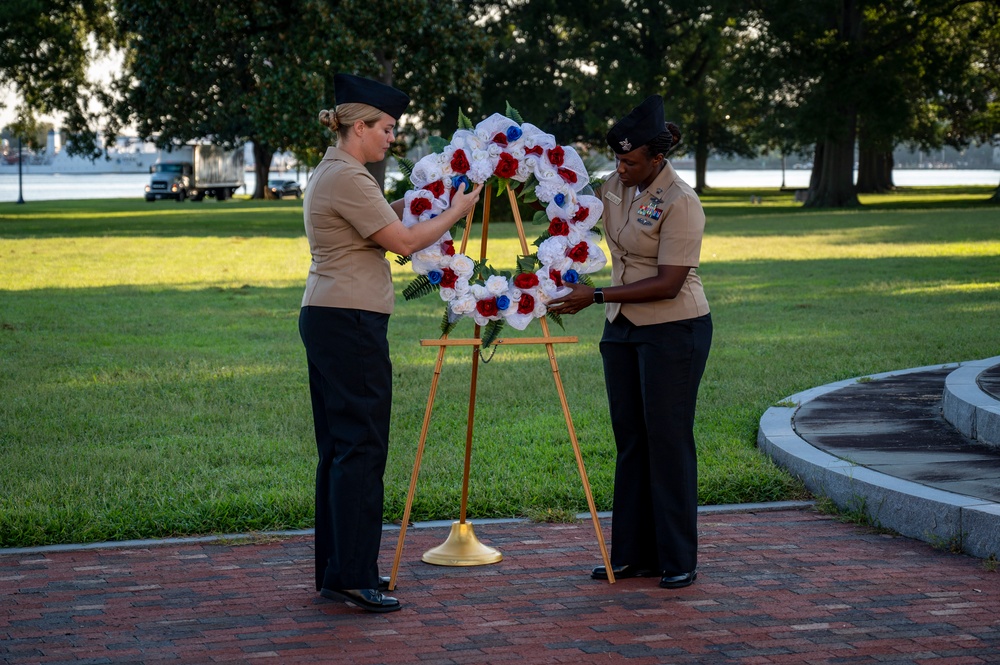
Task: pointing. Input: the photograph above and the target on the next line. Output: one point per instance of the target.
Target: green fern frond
(512, 113)
(491, 332)
(402, 260)
(419, 288)
(447, 325)
(405, 166)
(556, 318)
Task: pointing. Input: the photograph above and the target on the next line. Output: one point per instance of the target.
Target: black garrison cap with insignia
(639, 127)
(350, 89)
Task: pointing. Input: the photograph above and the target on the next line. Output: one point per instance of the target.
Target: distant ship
(127, 155)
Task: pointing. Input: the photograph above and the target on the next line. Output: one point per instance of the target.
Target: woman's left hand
(581, 297)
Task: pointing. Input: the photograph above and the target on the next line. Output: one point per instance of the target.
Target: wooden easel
(443, 343)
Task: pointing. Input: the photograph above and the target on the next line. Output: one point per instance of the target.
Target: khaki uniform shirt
(663, 226)
(342, 208)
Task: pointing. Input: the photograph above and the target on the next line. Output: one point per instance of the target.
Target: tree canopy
(45, 50)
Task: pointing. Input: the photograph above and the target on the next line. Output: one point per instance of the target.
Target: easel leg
(416, 467)
(579, 456)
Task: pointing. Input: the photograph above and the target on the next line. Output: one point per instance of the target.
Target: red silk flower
(449, 278)
(436, 188)
(558, 227)
(459, 162)
(556, 277)
(419, 206)
(448, 248)
(526, 305)
(487, 307)
(526, 280)
(578, 252)
(567, 175)
(500, 139)
(556, 156)
(537, 150)
(507, 166)
(581, 214)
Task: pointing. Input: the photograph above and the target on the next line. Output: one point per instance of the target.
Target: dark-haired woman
(655, 345)
(343, 323)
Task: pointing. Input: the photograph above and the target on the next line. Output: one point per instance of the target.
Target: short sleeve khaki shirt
(663, 225)
(343, 207)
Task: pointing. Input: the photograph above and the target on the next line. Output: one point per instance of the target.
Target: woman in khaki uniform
(655, 345)
(343, 323)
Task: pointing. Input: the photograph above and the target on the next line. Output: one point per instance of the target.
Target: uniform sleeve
(359, 201)
(681, 233)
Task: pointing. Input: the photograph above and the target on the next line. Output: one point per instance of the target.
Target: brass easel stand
(462, 548)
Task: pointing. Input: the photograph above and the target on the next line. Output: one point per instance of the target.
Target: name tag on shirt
(617, 200)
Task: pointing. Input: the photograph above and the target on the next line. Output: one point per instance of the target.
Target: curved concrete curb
(911, 509)
(971, 411)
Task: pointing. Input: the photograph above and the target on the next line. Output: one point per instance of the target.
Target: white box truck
(196, 171)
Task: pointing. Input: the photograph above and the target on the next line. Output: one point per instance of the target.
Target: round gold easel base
(462, 548)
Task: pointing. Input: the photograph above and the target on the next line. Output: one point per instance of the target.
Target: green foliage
(464, 122)
(512, 113)
(437, 144)
(491, 332)
(45, 51)
(405, 166)
(419, 287)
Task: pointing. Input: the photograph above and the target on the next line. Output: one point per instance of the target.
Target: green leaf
(502, 185)
(556, 319)
(402, 260)
(463, 121)
(437, 143)
(528, 191)
(545, 235)
(419, 288)
(529, 263)
(513, 114)
(540, 218)
(491, 332)
(447, 325)
(405, 166)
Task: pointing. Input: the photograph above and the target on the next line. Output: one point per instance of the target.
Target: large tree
(262, 70)
(46, 48)
(839, 71)
(574, 68)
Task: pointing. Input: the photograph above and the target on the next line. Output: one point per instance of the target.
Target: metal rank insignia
(651, 211)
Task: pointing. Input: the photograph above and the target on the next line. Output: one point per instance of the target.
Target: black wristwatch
(599, 296)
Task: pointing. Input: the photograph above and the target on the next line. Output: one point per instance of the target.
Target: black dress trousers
(652, 374)
(350, 381)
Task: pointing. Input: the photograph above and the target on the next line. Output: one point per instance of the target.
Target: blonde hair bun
(328, 118)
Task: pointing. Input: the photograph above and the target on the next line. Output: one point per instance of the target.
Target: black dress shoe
(621, 572)
(383, 583)
(371, 600)
(678, 581)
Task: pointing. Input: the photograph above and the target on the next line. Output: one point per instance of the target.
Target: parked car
(282, 188)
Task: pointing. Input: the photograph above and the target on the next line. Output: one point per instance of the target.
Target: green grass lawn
(152, 381)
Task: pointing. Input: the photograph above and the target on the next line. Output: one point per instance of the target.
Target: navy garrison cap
(352, 89)
(643, 123)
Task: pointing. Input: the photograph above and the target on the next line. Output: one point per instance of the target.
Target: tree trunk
(835, 184)
(817, 169)
(377, 169)
(700, 166)
(262, 154)
(996, 196)
(874, 171)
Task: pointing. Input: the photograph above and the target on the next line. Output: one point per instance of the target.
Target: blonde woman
(343, 324)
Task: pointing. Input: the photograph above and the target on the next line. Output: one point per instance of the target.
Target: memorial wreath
(499, 151)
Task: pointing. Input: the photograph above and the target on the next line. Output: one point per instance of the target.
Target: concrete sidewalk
(790, 586)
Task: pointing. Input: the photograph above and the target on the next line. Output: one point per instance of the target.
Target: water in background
(47, 187)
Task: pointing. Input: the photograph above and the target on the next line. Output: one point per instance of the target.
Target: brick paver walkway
(774, 587)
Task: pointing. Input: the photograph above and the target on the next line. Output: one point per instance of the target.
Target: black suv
(282, 188)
